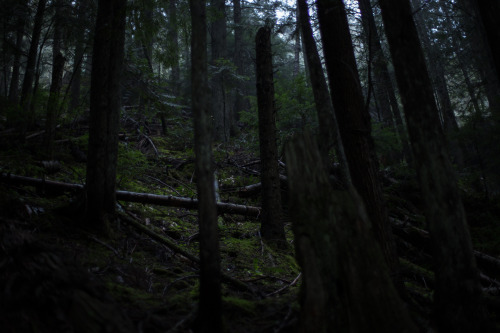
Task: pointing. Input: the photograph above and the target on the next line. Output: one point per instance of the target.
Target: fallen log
(145, 198)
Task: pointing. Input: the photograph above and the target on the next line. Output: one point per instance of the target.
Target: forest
(249, 166)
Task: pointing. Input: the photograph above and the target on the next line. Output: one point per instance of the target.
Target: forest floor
(57, 276)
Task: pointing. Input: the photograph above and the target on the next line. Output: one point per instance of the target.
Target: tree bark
(458, 303)
(272, 229)
(354, 122)
(346, 285)
(80, 47)
(105, 100)
(210, 305)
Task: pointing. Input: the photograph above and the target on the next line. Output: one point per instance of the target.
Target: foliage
(295, 110)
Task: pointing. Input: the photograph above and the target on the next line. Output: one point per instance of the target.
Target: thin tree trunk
(210, 306)
(55, 87)
(22, 11)
(272, 229)
(346, 285)
(238, 62)
(458, 304)
(27, 88)
(218, 36)
(354, 122)
(81, 44)
(105, 100)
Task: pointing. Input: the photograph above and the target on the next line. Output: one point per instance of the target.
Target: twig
(285, 287)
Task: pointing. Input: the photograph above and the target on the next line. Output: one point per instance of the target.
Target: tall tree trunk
(210, 306)
(456, 42)
(81, 43)
(354, 122)
(22, 11)
(55, 87)
(27, 88)
(458, 304)
(105, 98)
(385, 94)
(481, 55)
(489, 12)
(436, 66)
(219, 107)
(272, 229)
(328, 128)
(173, 37)
(296, 46)
(237, 60)
(345, 285)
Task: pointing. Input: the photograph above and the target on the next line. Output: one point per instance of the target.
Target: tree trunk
(210, 306)
(328, 128)
(346, 285)
(218, 36)
(458, 304)
(238, 63)
(385, 94)
(489, 12)
(173, 37)
(481, 52)
(81, 45)
(105, 98)
(22, 11)
(55, 87)
(27, 89)
(272, 229)
(436, 67)
(354, 122)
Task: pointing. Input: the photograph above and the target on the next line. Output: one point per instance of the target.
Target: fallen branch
(145, 198)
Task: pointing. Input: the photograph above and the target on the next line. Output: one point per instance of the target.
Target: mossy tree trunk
(105, 100)
(210, 306)
(346, 285)
(458, 301)
(272, 229)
